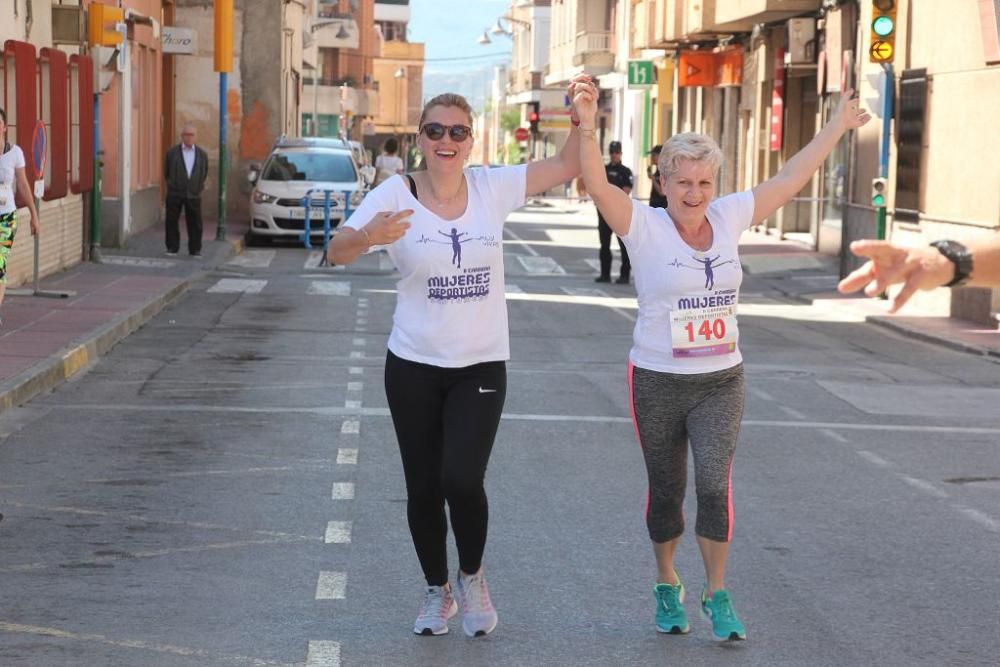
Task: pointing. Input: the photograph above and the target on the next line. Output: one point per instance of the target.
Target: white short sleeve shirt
(450, 308)
(9, 162)
(687, 298)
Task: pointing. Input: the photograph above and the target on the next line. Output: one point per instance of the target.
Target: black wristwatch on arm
(958, 255)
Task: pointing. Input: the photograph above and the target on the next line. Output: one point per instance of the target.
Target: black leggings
(446, 420)
(604, 233)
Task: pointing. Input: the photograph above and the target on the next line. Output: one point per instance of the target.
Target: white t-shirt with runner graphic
(687, 298)
(450, 308)
(9, 161)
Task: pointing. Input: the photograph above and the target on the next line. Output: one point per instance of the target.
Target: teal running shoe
(718, 608)
(670, 616)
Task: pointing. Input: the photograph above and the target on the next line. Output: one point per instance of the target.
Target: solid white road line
(203, 657)
(331, 585)
(524, 244)
(343, 491)
(761, 394)
(338, 532)
(350, 427)
(347, 456)
(323, 654)
(237, 286)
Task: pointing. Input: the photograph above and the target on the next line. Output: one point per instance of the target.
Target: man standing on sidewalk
(185, 169)
(620, 176)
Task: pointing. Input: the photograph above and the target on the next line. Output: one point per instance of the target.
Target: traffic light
(879, 194)
(883, 31)
(102, 23)
(533, 117)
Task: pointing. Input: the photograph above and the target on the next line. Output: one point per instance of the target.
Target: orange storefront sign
(709, 69)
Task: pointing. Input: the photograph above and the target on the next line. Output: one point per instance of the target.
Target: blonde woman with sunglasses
(445, 369)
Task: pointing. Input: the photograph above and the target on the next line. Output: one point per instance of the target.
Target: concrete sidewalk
(798, 272)
(46, 340)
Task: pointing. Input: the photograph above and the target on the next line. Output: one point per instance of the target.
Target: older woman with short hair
(685, 371)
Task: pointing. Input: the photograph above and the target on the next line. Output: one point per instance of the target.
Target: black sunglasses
(435, 131)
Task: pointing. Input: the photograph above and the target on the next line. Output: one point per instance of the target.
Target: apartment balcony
(761, 11)
(338, 100)
(588, 51)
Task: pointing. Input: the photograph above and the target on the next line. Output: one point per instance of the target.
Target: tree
(510, 119)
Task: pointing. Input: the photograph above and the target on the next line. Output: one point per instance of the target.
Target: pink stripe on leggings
(729, 502)
(635, 424)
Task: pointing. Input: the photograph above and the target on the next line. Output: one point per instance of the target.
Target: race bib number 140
(703, 332)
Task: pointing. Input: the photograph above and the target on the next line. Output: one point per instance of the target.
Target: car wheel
(257, 240)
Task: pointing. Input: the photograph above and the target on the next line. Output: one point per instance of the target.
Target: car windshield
(337, 167)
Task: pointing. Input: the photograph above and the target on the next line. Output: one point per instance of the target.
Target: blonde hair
(689, 146)
(446, 100)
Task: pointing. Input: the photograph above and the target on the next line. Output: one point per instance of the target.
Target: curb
(60, 367)
(50, 373)
(911, 332)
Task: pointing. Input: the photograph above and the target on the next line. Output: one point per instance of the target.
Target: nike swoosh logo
(487, 391)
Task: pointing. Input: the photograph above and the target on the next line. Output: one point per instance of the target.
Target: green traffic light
(883, 26)
(878, 200)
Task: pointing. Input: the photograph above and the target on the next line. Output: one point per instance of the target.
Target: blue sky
(450, 28)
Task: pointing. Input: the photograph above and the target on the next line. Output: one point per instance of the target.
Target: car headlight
(263, 198)
(356, 198)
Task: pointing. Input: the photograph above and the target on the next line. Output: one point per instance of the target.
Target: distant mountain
(473, 84)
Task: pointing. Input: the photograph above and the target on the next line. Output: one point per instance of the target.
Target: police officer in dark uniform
(656, 197)
(620, 175)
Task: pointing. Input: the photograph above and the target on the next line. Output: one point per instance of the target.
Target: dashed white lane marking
(361, 328)
(253, 259)
(512, 289)
(541, 265)
(352, 404)
(331, 585)
(347, 456)
(204, 657)
(584, 291)
(524, 244)
(363, 301)
(350, 427)
(237, 285)
(312, 262)
(357, 354)
(362, 321)
(343, 491)
(761, 394)
(356, 370)
(338, 532)
(873, 458)
(329, 288)
(833, 435)
(323, 654)
(982, 519)
(358, 342)
(791, 412)
(355, 386)
(923, 485)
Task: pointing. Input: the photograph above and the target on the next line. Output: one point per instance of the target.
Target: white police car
(294, 167)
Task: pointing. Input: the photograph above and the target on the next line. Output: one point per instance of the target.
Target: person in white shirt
(445, 370)
(685, 370)
(388, 164)
(12, 179)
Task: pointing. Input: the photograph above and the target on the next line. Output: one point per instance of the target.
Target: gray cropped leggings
(670, 409)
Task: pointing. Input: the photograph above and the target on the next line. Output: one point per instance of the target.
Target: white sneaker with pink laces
(439, 605)
(479, 618)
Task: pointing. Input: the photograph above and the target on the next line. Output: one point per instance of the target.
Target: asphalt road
(224, 489)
